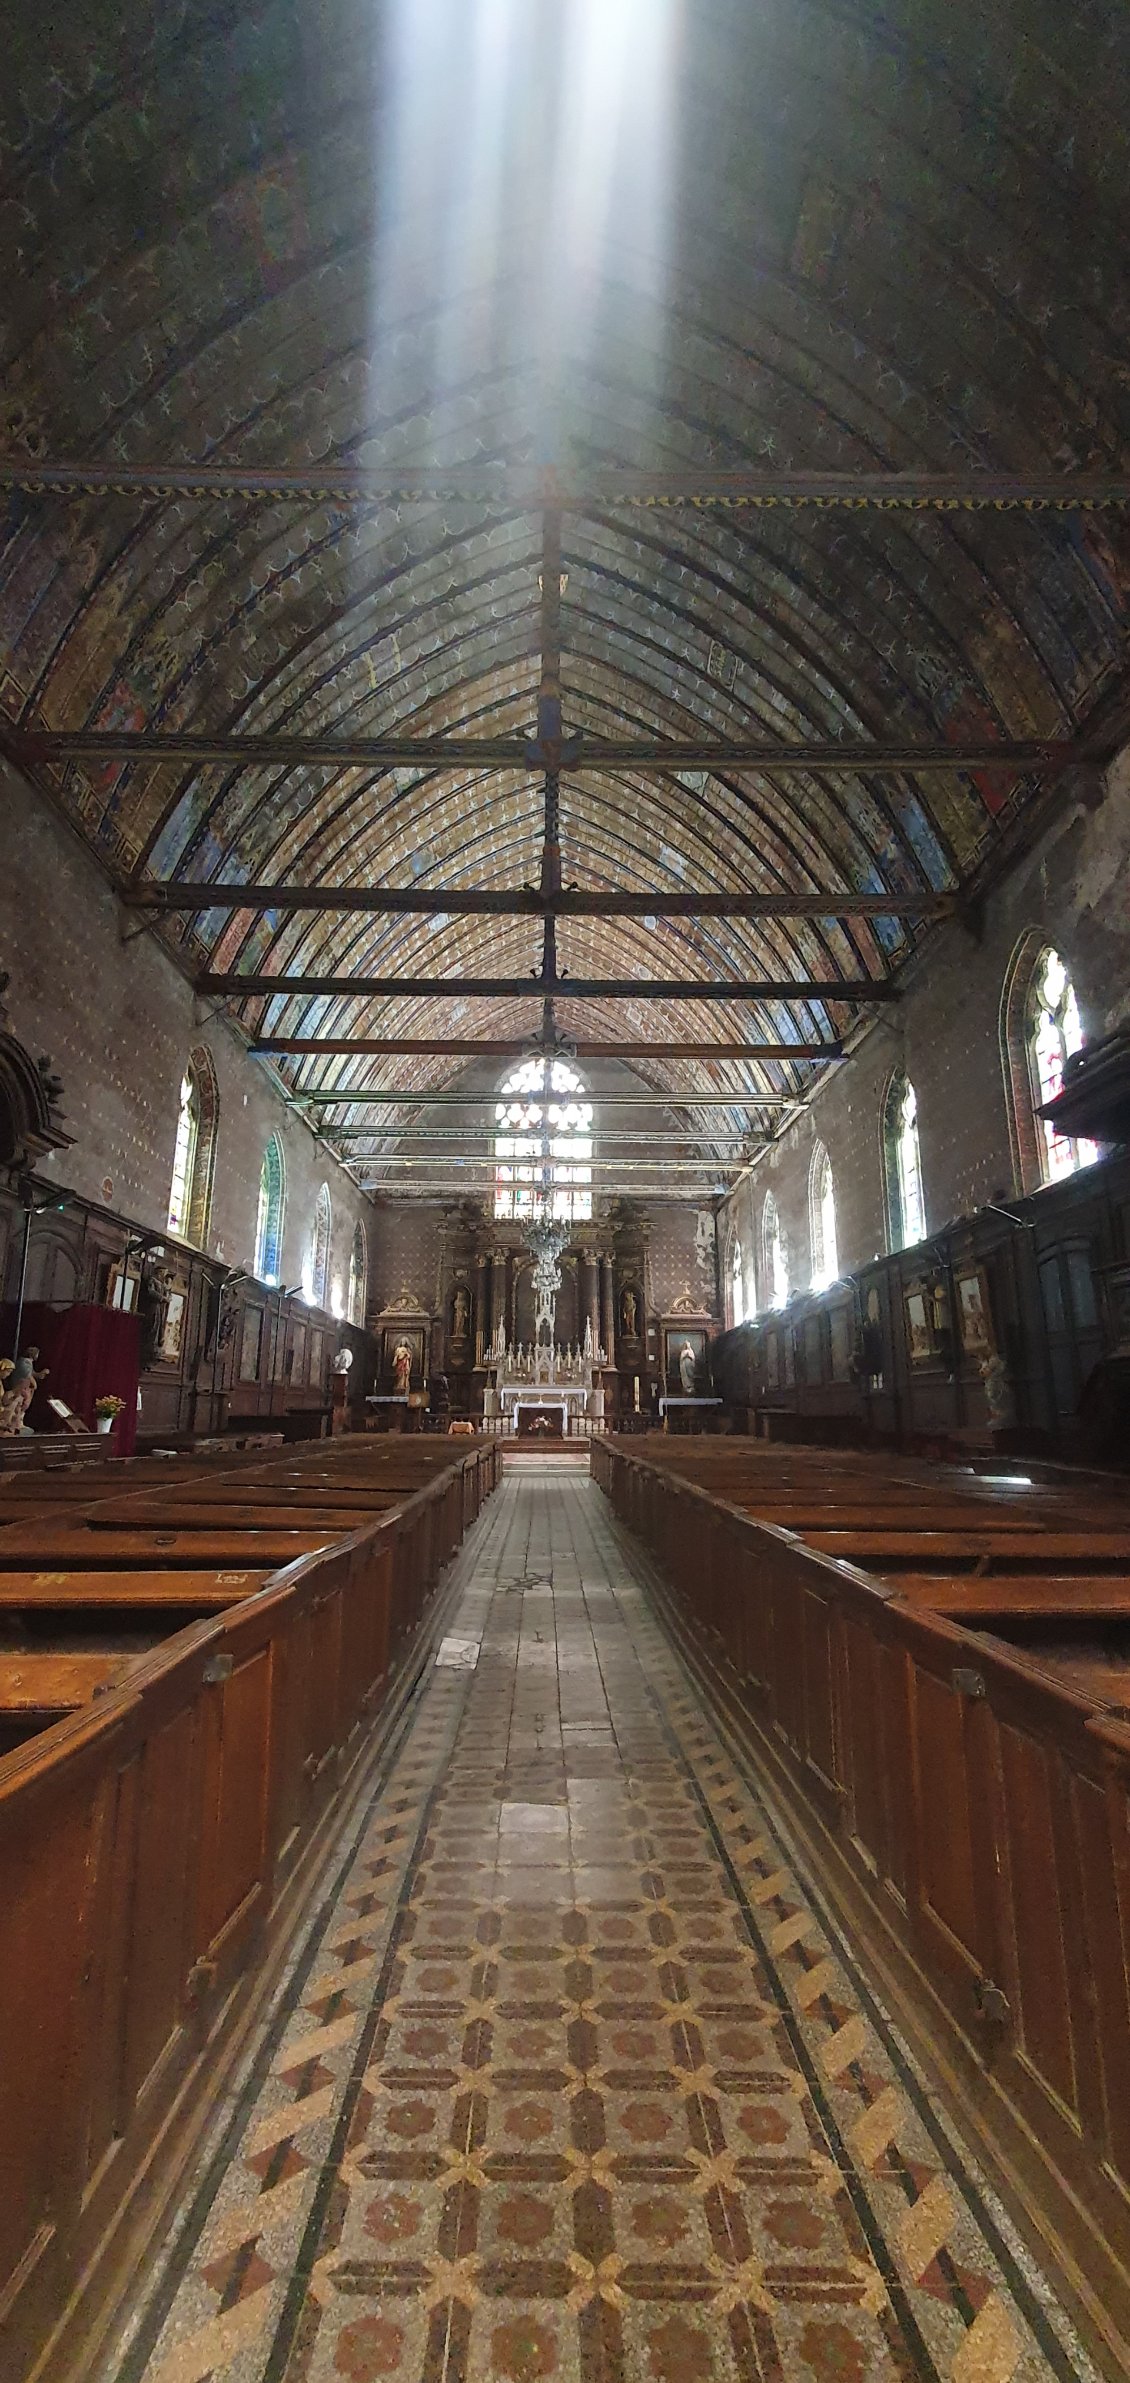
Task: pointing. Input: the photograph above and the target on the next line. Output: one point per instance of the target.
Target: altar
(550, 1420)
(567, 1401)
(545, 1379)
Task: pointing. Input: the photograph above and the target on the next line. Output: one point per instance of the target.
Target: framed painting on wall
(172, 1330)
(122, 1289)
(974, 1319)
(840, 1342)
(413, 1338)
(251, 1343)
(920, 1338)
(676, 1339)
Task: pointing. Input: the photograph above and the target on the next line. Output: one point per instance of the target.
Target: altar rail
(968, 1812)
(158, 1846)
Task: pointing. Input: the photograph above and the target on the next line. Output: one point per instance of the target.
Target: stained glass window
(316, 1271)
(1055, 1033)
(543, 1123)
(822, 1219)
(184, 1155)
(737, 1285)
(773, 1254)
(269, 1215)
(358, 1269)
(906, 1203)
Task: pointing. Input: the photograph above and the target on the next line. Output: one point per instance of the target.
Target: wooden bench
(924, 1693)
(193, 1659)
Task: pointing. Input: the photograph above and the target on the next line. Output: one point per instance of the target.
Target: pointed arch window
(737, 1284)
(1041, 1030)
(1055, 1033)
(358, 1272)
(194, 1150)
(902, 1164)
(269, 1213)
(774, 1261)
(822, 1220)
(316, 1271)
(543, 1123)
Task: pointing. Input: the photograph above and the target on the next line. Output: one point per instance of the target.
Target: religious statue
(998, 1392)
(687, 1369)
(19, 1382)
(628, 1314)
(460, 1314)
(402, 1368)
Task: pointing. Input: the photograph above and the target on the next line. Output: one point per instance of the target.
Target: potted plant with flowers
(106, 1411)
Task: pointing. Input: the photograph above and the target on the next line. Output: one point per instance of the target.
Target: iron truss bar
(438, 1047)
(406, 1195)
(606, 1100)
(528, 902)
(567, 753)
(562, 988)
(623, 1166)
(462, 1135)
(526, 490)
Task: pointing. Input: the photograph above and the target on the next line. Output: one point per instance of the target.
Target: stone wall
(118, 1021)
(1073, 889)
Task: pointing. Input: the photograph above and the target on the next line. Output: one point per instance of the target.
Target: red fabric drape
(91, 1352)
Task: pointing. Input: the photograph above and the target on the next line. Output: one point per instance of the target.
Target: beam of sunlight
(525, 172)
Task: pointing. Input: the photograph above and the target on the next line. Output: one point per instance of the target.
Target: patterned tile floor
(569, 2079)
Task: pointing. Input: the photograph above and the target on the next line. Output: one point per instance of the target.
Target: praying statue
(18, 1384)
(687, 1368)
(402, 1368)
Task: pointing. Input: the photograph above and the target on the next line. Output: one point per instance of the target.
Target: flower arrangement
(108, 1406)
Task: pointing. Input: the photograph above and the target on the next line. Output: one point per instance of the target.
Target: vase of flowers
(107, 1411)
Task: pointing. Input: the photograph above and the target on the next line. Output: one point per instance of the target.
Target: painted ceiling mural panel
(840, 240)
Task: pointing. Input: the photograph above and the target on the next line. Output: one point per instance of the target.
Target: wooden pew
(925, 1704)
(179, 1811)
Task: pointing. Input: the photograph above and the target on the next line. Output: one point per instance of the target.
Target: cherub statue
(19, 1382)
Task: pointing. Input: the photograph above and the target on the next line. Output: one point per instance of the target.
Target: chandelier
(547, 1236)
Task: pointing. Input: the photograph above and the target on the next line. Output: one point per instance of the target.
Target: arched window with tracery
(1041, 1030)
(543, 1124)
(358, 1272)
(902, 1165)
(822, 1220)
(775, 1265)
(737, 1283)
(316, 1271)
(269, 1213)
(194, 1150)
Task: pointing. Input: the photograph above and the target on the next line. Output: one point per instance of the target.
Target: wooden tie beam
(522, 488)
(564, 988)
(477, 1047)
(528, 901)
(573, 752)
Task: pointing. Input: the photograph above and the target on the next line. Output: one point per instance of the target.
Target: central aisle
(569, 2080)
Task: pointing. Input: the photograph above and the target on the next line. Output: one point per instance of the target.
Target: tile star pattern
(573, 2082)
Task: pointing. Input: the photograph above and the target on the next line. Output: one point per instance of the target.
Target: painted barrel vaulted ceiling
(833, 238)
